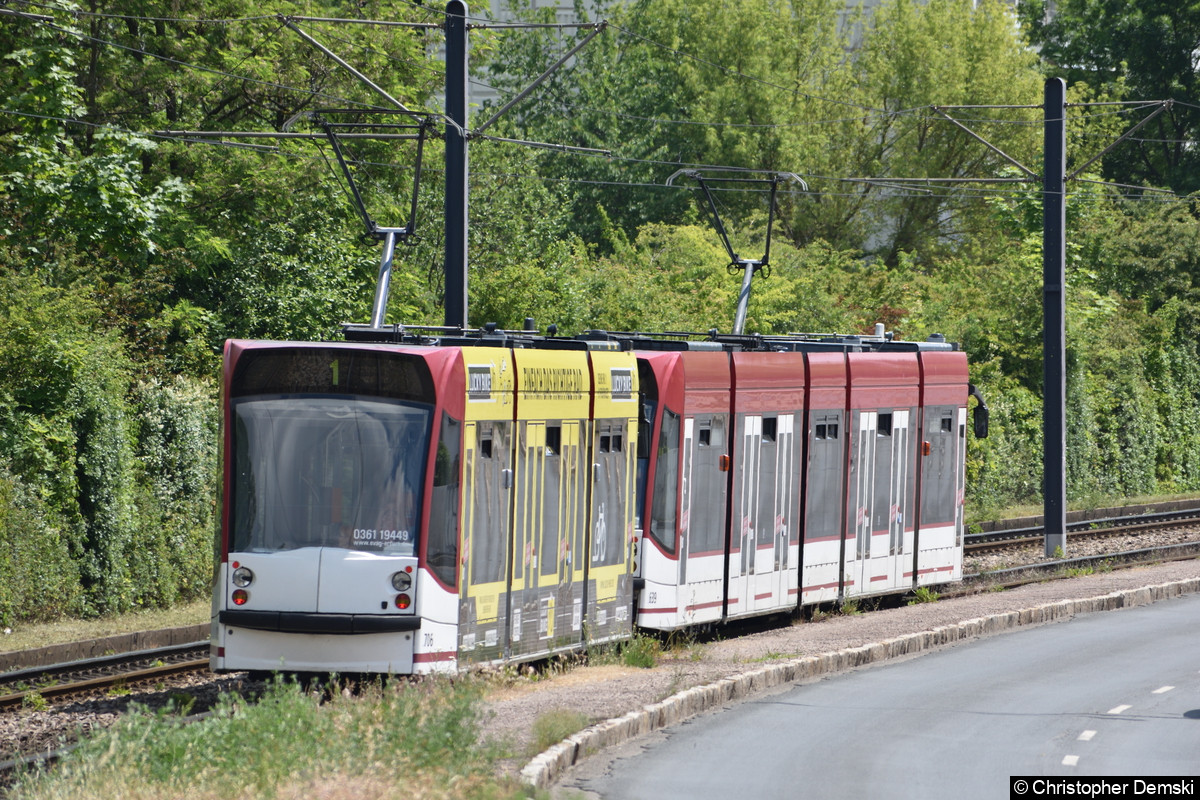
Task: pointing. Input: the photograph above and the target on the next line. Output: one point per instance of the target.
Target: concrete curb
(546, 768)
(93, 648)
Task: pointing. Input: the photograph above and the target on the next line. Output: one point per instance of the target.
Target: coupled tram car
(420, 500)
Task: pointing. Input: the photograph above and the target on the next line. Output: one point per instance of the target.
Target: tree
(670, 85)
(1140, 50)
(913, 59)
(779, 87)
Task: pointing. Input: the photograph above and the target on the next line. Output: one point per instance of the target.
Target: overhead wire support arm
(172, 134)
(1028, 172)
(1163, 106)
(566, 148)
(599, 28)
(378, 22)
(521, 26)
(342, 63)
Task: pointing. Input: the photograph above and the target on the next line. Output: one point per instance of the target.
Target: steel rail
(1107, 526)
(1012, 577)
(45, 682)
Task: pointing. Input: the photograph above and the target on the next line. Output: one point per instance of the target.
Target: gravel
(1081, 545)
(43, 729)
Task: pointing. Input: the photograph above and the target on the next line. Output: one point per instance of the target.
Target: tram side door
(526, 535)
(702, 514)
(611, 526)
(746, 524)
(781, 460)
(767, 485)
(897, 478)
(560, 597)
(685, 511)
(857, 546)
(488, 486)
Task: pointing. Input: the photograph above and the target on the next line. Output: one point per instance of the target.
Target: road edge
(548, 767)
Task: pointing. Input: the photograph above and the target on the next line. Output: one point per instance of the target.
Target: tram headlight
(403, 601)
(240, 596)
(242, 576)
(401, 581)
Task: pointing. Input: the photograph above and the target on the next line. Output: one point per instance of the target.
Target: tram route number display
(372, 537)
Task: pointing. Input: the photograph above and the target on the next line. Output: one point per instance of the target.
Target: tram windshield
(328, 472)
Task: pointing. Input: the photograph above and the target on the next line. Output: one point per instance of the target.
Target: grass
(976, 514)
(683, 645)
(26, 637)
(851, 607)
(554, 726)
(641, 651)
(418, 740)
(923, 594)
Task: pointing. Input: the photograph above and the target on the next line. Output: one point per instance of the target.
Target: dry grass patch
(27, 637)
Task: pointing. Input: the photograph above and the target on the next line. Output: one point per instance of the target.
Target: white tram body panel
(281, 630)
(436, 644)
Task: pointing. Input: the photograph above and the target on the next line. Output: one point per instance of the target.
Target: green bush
(38, 579)
(177, 423)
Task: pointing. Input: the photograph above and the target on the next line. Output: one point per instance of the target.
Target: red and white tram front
(327, 455)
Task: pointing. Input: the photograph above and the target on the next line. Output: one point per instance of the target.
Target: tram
(416, 500)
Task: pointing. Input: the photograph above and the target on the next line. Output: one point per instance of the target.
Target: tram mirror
(979, 419)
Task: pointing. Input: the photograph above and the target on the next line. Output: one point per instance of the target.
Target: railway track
(1002, 539)
(38, 685)
(95, 675)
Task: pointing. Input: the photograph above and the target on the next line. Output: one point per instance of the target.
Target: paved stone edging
(549, 766)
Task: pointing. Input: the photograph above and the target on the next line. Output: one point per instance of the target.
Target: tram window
(553, 440)
(770, 425)
(442, 552)
(617, 443)
(326, 472)
(666, 482)
(705, 437)
(947, 425)
(605, 444)
(827, 429)
(885, 425)
(485, 448)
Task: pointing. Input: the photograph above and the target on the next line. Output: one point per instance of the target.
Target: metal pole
(739, 318)
(456, 164)
(1054, 336)
(382, 284)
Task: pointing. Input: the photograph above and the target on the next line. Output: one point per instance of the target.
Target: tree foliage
(1137, 50)
(778, 87)
(130, 248)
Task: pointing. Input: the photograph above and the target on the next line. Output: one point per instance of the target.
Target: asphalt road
(1113, 694)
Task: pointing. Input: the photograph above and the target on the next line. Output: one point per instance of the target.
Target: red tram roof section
(884, 380)
(769, 381)
(691, 382)
(944, 378)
